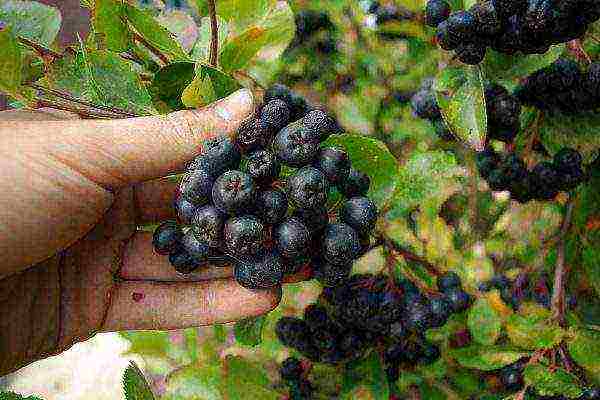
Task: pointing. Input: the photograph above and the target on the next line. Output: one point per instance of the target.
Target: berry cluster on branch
(235, 203)
(509, 26)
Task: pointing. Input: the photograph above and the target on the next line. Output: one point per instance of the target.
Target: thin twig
(84, 113)
(67, 97)
(410, 256)
(42, 51)
(558, 291)
(214, 32)
(151, 47)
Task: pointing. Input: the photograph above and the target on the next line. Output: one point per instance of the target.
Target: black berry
(295, 145)
(263, 166)
(207, 225)
(234, 192)
(360, 213)
(308, 188)
(341, 244)
(244, 236)
(291, 238)
(334, 163)
(259, 272)
(167, 237)
(271, 206)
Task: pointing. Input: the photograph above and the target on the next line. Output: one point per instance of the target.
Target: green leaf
(274, 30)
(170, 82)
(577, 131)
(366, 372)
(147, 343)
(486, 358)
(533, 331)
(16, 396)
(201, 49)
(101, 77)
(192, 382)
(243, 13)
(249, 331)
(585, 350)
(484, 322)
(374, 159)
(426, 178)
(155, 34)
(208, 85)
(505, 68)
(11, 63)
(242, 378)
(108, 20)
(135, 385)
(460, 95)
(32, 20)
(182, 25)
(551, 381)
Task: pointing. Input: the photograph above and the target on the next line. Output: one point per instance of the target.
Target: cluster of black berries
(515, 291)
(562, 87)
(374, 312)
(509, 172)
(293, 374)
(511, 378)
(503, 111)
(315, 25)
(508, 26)
(237, 207)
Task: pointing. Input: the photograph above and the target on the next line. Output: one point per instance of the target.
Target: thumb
(116, 153)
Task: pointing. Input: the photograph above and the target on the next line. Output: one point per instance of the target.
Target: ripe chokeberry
(356, 185)
(308, 188)
(315, 219)
(185, 209)
(220, 155)
(334, 163)
(183, 262)
(196, 187)
(271, 206)
(436, 12)
(341, 244)
(448, 281)
(195, 248)
(234, 192)
(207, 225)
(291, 238)
(275, 114)
(319, 125)
(360, 213)
(167, 237)
(244, 236)
(263, 166)
(295, 146)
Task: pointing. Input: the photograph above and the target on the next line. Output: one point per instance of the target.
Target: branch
(151, 47)
(41, 50)
(558, 290)
(409, 255)
(82, 112)
(214, 31)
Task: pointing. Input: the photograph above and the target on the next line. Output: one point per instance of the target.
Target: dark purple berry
(360, 213)
(167, 237)
(263, 166)
(291, 369)
(448, 281)
(262, 271)
(185, 210)
(234, 192)
(436, 12)
(341, 244)
(308, 188)
(295, 145)
(196, 187)
(291, 238)
(275, 114)
(271, 206)
(319, 125)
(334, 163)
(195, 248)
(244, 236)
(183, 262)
(356, 185)
(207, 225)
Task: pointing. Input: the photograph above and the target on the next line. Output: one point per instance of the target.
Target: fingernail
(240, 102)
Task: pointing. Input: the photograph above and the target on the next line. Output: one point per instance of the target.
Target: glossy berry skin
(308, 188)
(185, 210)
(195, 248)
(487, 18)
(244, 236)
(166, 237)
(278, 91)
(253, 134)
(461, 25)
(545, 180)
(295, 146)
(291, 369)
(183, 262)
(334, 163)
(341, 244)
(220, 155)
(196, 187)
(263, 166)
(356, 185)
(436, 12)
(319, 125)
(360, 213)
(275, 114)
(291, 238)
(444, 38)
(448, 281)
(417, 317)
(207, 225)
(259, 272)
(271, 206)
(234, 192)
(458, 299)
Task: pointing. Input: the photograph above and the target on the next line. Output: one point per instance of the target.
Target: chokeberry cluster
(503, 111)
(562, 87)
(235, 204)
(543, 182)
(293, 373)
(373, 312)
(509, 26)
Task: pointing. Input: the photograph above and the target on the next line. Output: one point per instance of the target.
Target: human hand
(74, 263)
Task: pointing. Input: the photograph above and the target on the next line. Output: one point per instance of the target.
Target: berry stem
(214, 32)
(409, 255)
(44, 52)
(558, 292)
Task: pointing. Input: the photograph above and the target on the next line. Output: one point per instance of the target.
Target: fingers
(140, 262)
(115, 153)
(143, 305)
